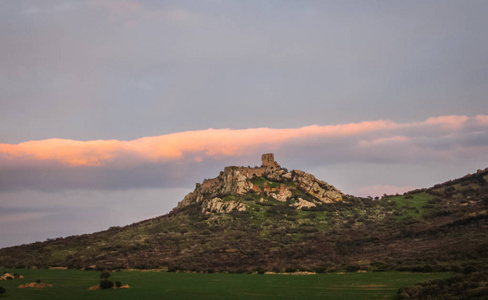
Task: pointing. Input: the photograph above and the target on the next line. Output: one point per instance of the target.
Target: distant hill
(270, 219)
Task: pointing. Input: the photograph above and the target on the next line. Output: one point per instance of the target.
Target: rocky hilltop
(267, 183)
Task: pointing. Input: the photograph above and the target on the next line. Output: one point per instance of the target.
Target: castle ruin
(267, 161)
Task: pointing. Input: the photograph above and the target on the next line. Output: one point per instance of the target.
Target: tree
(106, 284)
(104, 275)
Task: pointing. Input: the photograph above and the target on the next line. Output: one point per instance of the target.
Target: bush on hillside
(106, 284)
(104, 275)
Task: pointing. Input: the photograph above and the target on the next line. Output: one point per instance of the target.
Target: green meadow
(74, 284)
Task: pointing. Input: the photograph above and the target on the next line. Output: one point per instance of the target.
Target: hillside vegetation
(442, 228)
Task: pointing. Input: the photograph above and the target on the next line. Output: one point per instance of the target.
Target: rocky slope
(270, 181)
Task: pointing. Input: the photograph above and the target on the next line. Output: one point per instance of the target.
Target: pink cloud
(202, 144)
(452, 121)
(482, 119)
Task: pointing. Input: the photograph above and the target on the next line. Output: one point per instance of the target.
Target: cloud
(28, 216)
(171, 147)
(482, 119)
(393, 139)
(168, 159)
(379, 190)
(118, 9)
(12, 219)
(269, 64)
(448, 121)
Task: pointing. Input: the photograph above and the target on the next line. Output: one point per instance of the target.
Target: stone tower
(269, 162)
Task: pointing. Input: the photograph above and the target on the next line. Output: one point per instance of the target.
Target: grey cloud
(184, 65)
(35, 216)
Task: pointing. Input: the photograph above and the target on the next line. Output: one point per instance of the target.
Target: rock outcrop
(270, 181)
(282, 194)
(321, 190)
(217, 205)
(303, 203)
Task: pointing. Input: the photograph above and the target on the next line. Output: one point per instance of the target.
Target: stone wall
(248, 172)
(208, 185)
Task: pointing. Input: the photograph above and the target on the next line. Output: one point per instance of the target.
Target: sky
(112, 110)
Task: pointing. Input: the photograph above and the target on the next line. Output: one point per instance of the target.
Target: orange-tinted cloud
(215, 142)
(453, 121)
(482, 119)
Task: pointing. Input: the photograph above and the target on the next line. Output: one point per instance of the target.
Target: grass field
(73, 284)
(414, 207)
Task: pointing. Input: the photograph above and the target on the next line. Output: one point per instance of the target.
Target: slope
(266, 218)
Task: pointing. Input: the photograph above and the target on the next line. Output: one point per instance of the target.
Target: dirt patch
(145, 270)
(7, 276)
(372, 285)
(295, 273)
(58, 268)
(37, 285)
(97, 287)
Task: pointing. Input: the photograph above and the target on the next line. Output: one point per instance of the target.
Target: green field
(73, 284)
(414, 207)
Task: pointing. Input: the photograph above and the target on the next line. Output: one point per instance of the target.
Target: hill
(270, 219)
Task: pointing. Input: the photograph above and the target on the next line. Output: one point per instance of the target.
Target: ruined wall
(208, 185)
(248, 172)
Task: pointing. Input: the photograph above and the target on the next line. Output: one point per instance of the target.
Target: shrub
(352, 268)
(469, 286)
(172, 269)
(469, 269)
(118, 284)
(249, 197)
(260, 271)
(106, 284)
(104, 275)
(2, 290)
